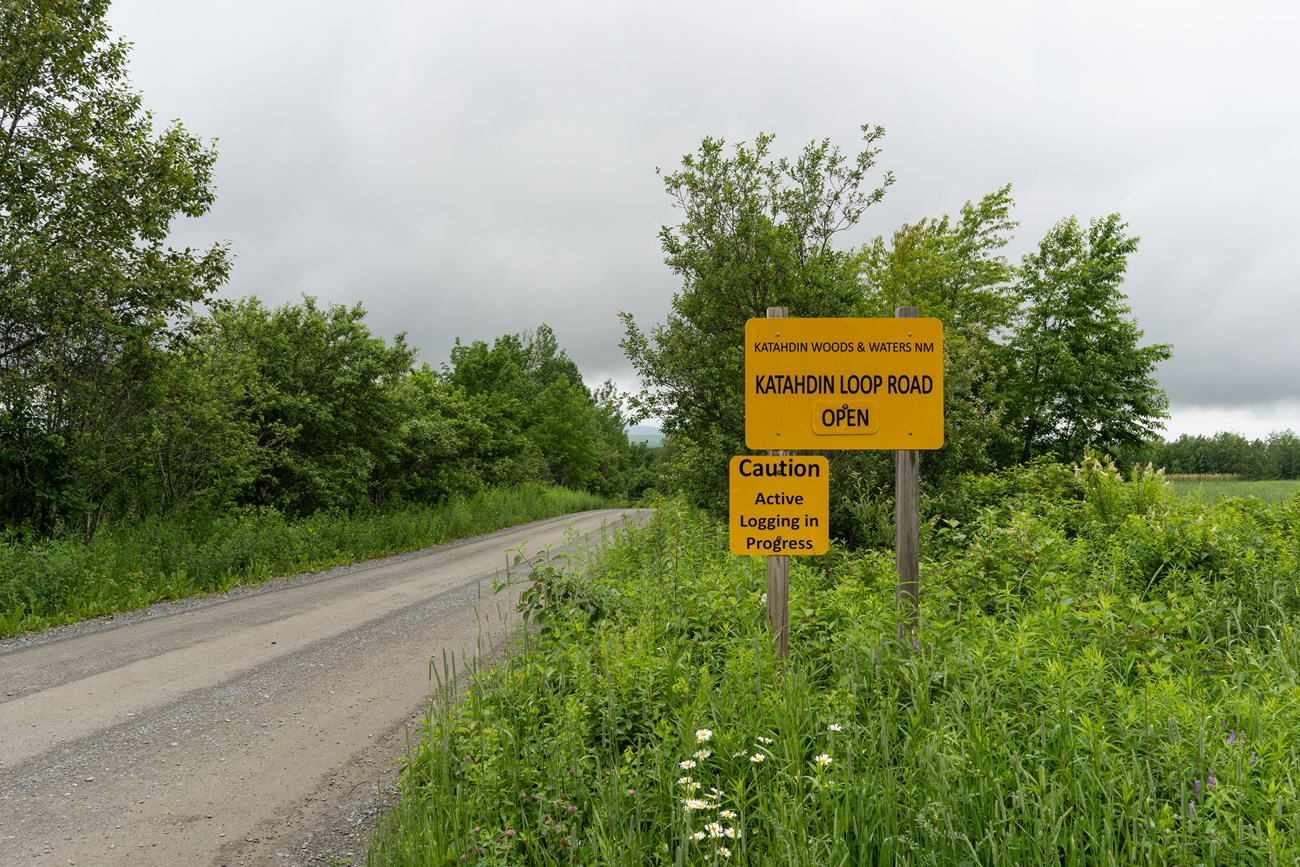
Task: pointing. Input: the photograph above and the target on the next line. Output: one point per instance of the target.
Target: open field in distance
(1210, 489)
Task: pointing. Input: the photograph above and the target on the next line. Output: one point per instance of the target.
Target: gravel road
(258, 727)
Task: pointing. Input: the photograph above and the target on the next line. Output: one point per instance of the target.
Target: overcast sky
(475, 168)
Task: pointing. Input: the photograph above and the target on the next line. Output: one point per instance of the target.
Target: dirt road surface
(254, 728)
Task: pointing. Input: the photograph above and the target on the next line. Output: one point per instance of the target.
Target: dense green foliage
(273, 441)
(302, 409)
(1043, 358)
(1106, 674)
(1080, 376)
(321, 400)
(89, 290)
(953, 270)
(756, 232)
(544, 421)
(1040, 359)
(57, 581)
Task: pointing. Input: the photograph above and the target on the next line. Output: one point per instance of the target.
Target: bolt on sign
(780, 504)
(822, 384)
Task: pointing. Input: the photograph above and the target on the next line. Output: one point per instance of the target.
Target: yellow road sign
(780, 504)
(822, 384)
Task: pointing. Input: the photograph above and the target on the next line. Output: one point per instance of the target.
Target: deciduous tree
(325, 398)
(88, 194)
(955, 270)
(1081, 376)
(757, 231)
(541, 413)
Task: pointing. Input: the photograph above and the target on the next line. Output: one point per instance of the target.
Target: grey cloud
(472, 169)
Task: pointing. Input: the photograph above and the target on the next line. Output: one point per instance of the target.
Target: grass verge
(58, 581)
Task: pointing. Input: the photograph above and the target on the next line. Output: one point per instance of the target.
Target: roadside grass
(1269, 490)
(1107, 674)
(58, 581)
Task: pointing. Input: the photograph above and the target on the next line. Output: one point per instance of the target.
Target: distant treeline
(1277, 457)
(302, 409)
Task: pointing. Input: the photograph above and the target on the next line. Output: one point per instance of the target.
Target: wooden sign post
(778, 566)
(907, 527)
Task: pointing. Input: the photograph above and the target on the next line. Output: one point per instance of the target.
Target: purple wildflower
(1209, 782)
(1197, 786)
(1232, 737)
(1252, 757)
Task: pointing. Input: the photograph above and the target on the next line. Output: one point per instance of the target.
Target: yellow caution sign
(780, 504)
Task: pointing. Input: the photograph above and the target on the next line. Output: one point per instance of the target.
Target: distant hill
(640, 433)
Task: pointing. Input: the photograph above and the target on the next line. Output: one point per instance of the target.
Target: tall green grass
(1107, 674)
(56, 581)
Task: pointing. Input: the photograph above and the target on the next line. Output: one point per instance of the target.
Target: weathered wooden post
(778, 566)
(907, 528)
